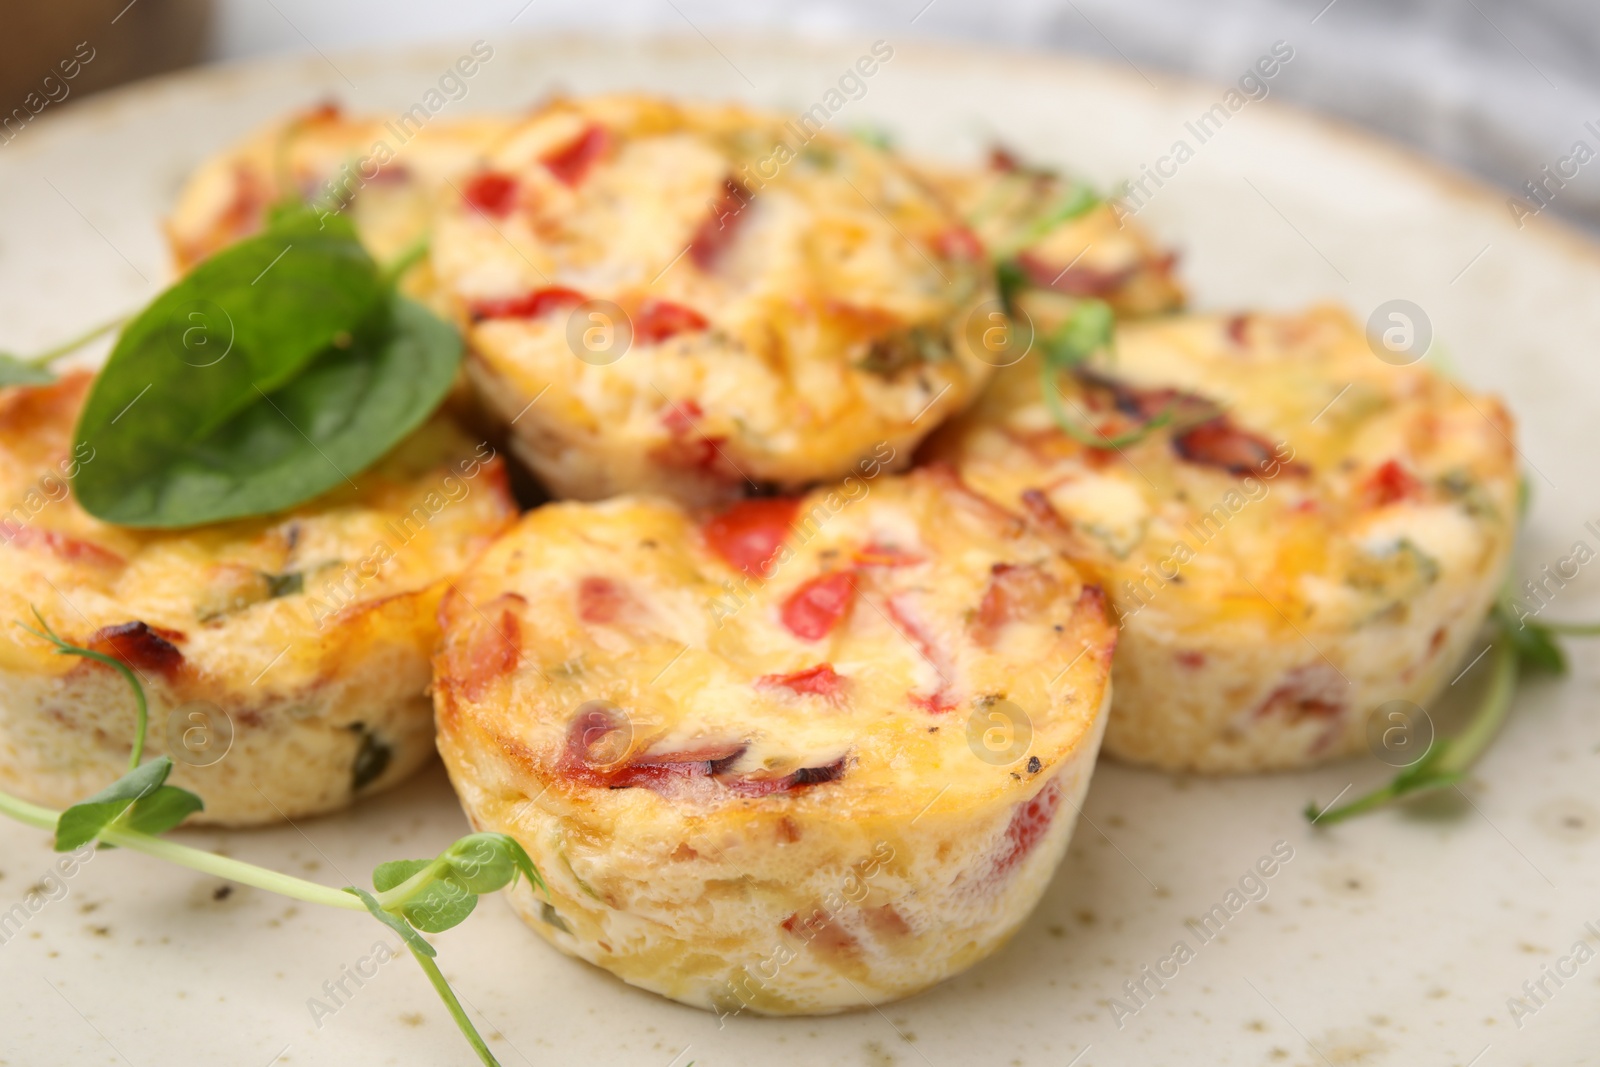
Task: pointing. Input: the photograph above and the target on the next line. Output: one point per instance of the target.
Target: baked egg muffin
(286, 659)
(1292, 532)
(795, 756)
(701, 300)
(383, 172)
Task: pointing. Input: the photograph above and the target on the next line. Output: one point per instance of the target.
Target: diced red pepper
(1390, 484)
(1027, 827)
(492, 193)
(532, 305)
(572, 161)
(821, 680)
(748, 534)
(658, 320)
(813, 610)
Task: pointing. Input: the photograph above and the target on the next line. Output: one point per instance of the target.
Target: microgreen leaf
(1535, 643)
(159, 811)
(486, 862)
(442, 905)
(393, 922)
(83, 822)
(385, 876)
(1089, 329)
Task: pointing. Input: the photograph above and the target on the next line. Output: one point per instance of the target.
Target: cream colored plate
(1392, 940)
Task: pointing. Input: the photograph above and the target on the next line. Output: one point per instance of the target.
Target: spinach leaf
(243, 323)
(280, 446)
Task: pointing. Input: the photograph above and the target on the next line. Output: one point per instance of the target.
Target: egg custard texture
(694, 300)
(797, 756)
(1314, 534)
(286, 659)
(384, 173)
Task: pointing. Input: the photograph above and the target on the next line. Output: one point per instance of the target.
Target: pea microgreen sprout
(408, 895)
(1091, 328)
(1519, 645)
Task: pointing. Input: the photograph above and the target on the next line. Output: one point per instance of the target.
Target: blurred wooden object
(125, 41)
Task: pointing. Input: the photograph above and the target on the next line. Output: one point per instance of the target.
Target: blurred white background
(1499, 87)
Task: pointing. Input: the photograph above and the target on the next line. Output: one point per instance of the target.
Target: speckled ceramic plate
(1397, 939)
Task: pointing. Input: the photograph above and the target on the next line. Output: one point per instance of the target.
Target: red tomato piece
(821, 680)
(571, 162)
(748, 534)
(492, 193)
(814, 609)
(1028, 827)
(658, 320)
(533, 305)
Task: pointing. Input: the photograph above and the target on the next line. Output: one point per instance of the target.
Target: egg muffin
(698, 300)
(1292, 532)
(1058, 236)
(382, 172)
(795, 756)
(286, 659)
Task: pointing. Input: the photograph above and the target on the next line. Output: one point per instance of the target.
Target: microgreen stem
(50, 355)
(141, 707)
(415, 253)
(1094, 439)
(1573, 629)
(448, 995)
(193, 858)
(1448, 761)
